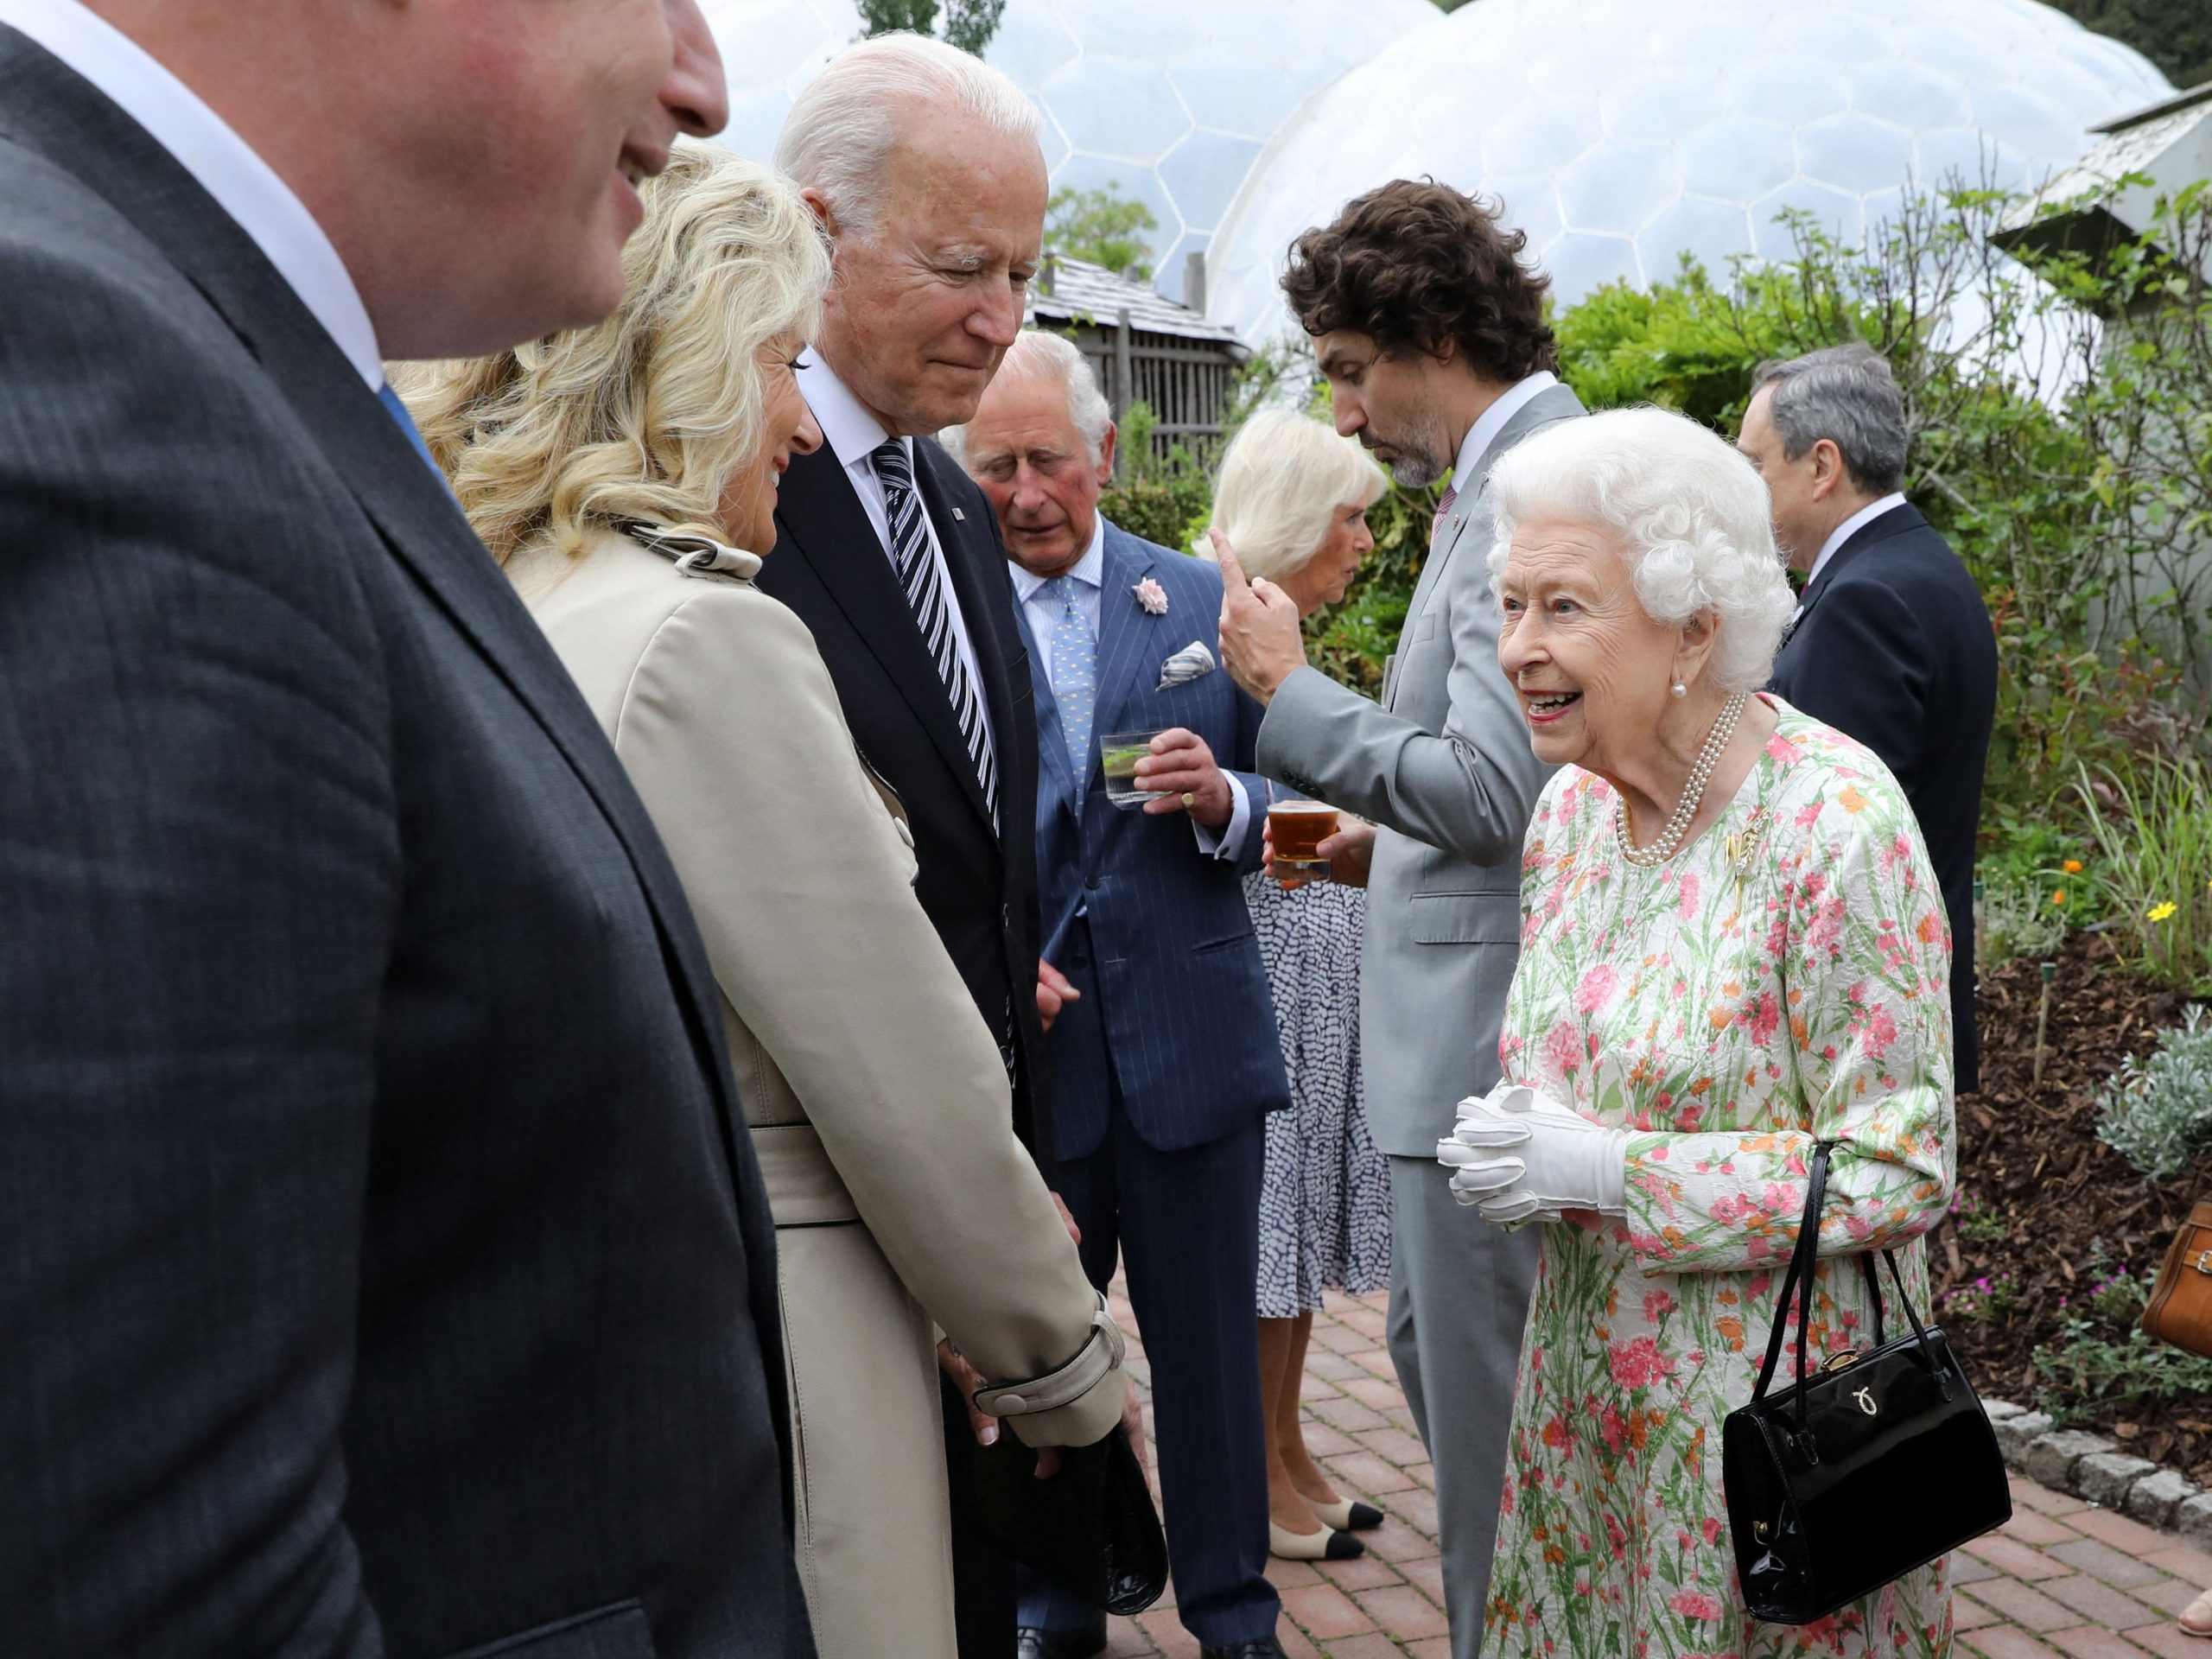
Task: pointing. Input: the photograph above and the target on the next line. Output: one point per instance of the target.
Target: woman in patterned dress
(1733, 949)
(1293, 499)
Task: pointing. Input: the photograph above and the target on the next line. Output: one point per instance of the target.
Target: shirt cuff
(1228, 841)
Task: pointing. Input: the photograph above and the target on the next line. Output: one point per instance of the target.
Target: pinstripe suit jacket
(1174, 973)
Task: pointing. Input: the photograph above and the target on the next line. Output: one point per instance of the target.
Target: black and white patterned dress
(1325, 1200)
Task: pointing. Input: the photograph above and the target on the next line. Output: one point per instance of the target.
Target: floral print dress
(1781, 981)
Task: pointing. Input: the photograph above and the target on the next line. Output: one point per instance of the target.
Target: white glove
(1517, 1154)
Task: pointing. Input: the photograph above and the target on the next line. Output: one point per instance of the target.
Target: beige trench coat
(877, 1098)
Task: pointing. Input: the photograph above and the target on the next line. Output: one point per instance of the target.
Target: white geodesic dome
(1623, 133)
(1169, 100)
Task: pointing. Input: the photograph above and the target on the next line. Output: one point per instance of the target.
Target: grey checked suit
(1443, 766)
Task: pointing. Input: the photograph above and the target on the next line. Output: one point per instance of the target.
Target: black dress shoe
(1266, 1648)
(1032, 1644)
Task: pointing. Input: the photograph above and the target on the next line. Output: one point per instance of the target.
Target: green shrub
(2157, 1112)
(2019, 919)
(1154, 495)
(2154, 830)
(2102, 1357)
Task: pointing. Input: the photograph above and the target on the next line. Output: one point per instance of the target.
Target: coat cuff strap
(1064, 1387)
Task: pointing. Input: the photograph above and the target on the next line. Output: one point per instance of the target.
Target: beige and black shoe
(1329, 1544)
(1348, 1514)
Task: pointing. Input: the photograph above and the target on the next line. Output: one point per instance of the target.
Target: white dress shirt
(1491, 422)
(1849, 528)
(243, 185)
(1043, 614)
(853, 435)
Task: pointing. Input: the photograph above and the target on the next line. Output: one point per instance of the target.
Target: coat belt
(804, 1189)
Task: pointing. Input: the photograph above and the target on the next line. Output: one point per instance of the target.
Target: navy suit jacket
(975, 885)
(1172, 973)
(1893, 646)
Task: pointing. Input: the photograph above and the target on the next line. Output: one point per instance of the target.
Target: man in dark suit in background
(1166, 1062)
(924, 167)
(384, 1266)
(1891, 643)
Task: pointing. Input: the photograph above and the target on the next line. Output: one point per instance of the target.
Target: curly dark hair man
(1428, 321)
(1416, 270)
(1416, 263)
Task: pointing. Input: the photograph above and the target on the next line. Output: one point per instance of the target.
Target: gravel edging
(2097, 1470)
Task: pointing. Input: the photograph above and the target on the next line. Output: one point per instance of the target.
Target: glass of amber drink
(1297, 827)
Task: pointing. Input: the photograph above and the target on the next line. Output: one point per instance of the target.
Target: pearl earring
(1680, 689)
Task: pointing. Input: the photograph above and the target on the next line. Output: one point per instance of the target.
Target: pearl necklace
(1670, 838)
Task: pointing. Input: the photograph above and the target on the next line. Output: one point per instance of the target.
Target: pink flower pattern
(1728, 1015)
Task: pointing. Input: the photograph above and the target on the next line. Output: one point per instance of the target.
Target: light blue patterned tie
(405, 422)
(1075, 673)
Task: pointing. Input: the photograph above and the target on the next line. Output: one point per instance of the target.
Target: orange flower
(2072, 867)
(2058, 897)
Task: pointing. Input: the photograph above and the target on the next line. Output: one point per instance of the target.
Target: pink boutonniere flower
(1151, 596)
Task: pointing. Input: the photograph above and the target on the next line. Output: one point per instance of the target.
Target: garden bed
(2048, 1214)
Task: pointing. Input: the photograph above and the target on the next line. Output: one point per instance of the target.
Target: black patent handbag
(1875, 1464)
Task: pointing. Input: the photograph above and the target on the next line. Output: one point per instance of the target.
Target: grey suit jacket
(1443, 766)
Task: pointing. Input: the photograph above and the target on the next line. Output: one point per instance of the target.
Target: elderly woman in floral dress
(1732, 950)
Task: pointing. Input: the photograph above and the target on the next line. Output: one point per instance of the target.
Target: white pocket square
(1185, 665)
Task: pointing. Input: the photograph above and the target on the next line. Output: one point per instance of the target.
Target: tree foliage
(1102, 227)
(968, 24)
(2067, 457)
(2175, 35)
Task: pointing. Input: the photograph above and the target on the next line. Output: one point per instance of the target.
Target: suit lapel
(1897, 521)
(1128, 635)
(1440, 548)
(978, 566)
(822, 520)
(415, 515)
(1552, 403)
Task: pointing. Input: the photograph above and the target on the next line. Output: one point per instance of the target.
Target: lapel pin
(959, 516)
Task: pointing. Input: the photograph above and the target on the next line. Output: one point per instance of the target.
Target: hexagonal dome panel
(1173, 99)
(1829, 105)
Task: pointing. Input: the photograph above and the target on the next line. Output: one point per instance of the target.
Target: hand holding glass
(1118, 755)
(1296, 828)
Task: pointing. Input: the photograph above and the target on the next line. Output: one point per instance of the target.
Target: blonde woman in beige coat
(618, 473)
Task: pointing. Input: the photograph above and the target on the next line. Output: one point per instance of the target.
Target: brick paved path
(2065, 1580)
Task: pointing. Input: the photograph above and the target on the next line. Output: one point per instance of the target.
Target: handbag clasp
(2201, 1262)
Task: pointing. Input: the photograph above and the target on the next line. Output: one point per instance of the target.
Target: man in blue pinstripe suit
(1162, 1043)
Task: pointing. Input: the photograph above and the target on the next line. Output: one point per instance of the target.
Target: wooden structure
(1143, 348)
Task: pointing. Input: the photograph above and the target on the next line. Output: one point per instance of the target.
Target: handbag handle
(1799, 1279)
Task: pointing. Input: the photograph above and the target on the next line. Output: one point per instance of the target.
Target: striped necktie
(924, 586)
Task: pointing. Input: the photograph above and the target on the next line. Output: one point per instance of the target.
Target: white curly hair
(1689, 514)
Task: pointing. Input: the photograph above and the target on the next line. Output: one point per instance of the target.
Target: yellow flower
(2072, 867)
(2159, 912)
(2058, 897)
